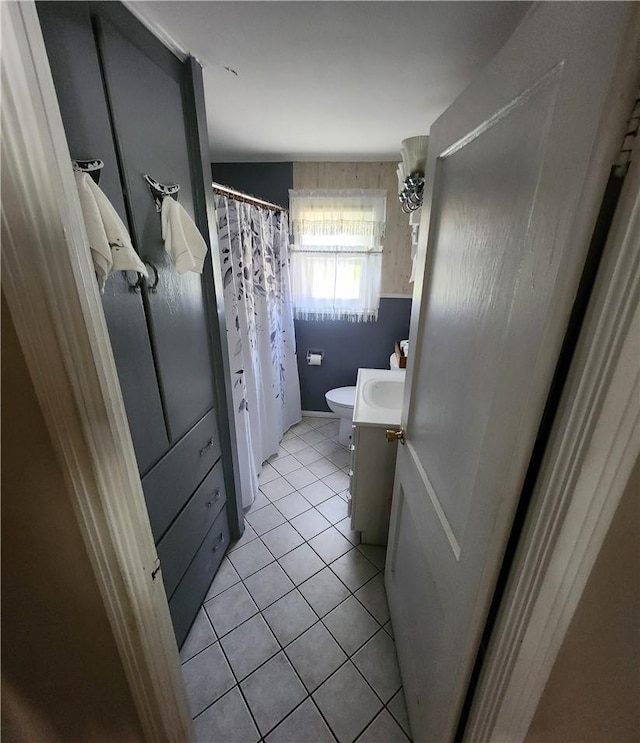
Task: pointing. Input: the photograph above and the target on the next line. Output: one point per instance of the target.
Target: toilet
(341, 401)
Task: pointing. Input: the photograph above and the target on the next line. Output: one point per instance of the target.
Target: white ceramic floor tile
(344, 527)
(249, 645)
(308, 455)
(301, 563)
(206, 678)
(260, 501)
(331, 428)
(286, 464)
(301, 478)
(312, 438)
(384, 729)
(398, 708)
(318, 421)
(310, 523)
(315, 655)
(330, 545)
(266, 518)
(347, 703)
(282, 539)
(227, 720)
(323, 592)
(268, 585)
(292, 505)
(374, 553)
(294, 444)
(374, 598)
(267, 474)
(250, 558)
(334, 509)
(277, 488)
(300, 428)
(353, 569)
(378, 664)
(340, 458)
(304, 725)
(224, 578)
(322, 468)
(289, 617)
(388, 628)
(328, 446)
(351, 625)
(200, 636)
(230, 608)
(316, 493)
(247, 536)
(272, 692)
(337, 481)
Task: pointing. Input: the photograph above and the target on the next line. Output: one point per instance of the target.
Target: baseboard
(317, 414)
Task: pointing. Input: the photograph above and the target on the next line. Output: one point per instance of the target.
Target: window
(336, 253)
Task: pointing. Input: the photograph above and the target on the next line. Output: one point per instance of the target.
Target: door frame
(58, 316)
(49, 284)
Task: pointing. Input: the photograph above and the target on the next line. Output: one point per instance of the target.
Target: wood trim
(52, 295)
(592, 450)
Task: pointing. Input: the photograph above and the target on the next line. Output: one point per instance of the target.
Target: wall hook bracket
(160, 191)
(92, 167)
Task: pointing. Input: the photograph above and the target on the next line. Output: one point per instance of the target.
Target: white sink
(384, 393)
(379, 394)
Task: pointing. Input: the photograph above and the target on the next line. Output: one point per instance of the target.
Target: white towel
(110, 244)
(182, 240)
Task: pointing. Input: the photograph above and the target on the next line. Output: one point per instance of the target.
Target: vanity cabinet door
(75, 68)
(147, 109)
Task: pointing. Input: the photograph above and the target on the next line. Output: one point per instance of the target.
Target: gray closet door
(147, 111)
(76, 74)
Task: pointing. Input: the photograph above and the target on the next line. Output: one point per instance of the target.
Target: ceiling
(329, 80)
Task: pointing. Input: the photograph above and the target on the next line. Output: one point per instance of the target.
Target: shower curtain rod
(247, 198)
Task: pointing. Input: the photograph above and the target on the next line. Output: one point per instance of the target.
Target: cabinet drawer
(187, 597)
(180, 543)
(169, 484)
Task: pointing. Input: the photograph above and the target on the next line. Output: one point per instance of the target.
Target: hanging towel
(182, 240)
(110, 244)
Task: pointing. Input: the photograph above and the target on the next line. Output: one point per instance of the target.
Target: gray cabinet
(125, 99)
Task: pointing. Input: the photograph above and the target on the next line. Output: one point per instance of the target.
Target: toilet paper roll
(314, 359)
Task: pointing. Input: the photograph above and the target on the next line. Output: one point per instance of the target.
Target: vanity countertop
(379, 394)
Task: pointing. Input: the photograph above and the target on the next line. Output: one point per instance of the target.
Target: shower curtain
(254, 254)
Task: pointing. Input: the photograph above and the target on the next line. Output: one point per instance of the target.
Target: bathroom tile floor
(293, 643)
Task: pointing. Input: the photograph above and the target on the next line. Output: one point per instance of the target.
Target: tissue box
(402, 360)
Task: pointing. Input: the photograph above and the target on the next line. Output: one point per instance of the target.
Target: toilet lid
(342, 396)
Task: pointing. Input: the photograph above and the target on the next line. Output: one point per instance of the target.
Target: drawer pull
(207, 446)
(219, 543)
(214, 498)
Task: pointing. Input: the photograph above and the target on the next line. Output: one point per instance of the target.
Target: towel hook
(92, 167)
(159, 191)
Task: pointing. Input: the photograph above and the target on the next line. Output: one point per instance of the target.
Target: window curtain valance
(340, 215)
(336, 253)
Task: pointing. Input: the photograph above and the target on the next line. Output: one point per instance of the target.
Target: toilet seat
(343, 397)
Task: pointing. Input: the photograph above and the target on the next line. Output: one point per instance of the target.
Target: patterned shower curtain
(254, 254)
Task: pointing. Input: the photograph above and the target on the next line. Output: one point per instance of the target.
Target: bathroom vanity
(377, 408)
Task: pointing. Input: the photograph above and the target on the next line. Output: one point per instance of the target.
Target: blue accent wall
(348, 346)
(268, 181)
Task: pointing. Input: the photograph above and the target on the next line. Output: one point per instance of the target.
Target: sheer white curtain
(253, 244)
(336, 253)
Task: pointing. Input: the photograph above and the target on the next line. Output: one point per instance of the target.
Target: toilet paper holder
(315, 357)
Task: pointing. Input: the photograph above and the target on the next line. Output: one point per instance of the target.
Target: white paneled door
(517, 167)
